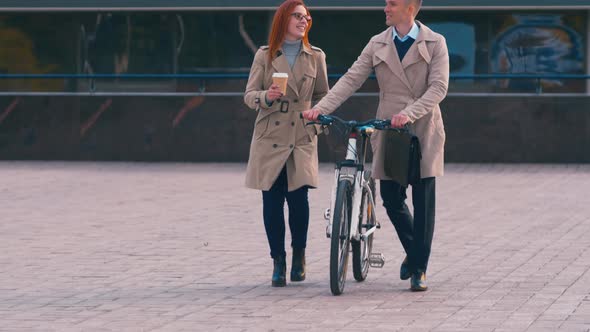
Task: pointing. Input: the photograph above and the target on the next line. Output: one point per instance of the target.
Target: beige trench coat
(414, 87)
(280, 136)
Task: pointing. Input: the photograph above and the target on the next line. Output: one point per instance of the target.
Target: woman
(283, 159)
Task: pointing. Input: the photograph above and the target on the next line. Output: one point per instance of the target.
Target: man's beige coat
(414, 87)
(280, 136)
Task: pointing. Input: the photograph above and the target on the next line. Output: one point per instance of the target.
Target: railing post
(539, 86)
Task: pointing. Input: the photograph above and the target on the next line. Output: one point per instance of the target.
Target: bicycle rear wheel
(361, 250)
(340, 237)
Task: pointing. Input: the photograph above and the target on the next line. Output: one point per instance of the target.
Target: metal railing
(200, 80)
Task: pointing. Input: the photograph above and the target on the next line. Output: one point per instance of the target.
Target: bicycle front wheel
(361, 249)
(340, 237)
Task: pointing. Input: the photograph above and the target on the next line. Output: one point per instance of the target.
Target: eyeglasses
(299, 16)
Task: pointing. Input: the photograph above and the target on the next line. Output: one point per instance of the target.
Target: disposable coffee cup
(280, 79)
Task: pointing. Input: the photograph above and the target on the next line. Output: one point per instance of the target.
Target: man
(411, 63)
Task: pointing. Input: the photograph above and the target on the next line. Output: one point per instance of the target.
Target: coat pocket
(312, 131)
(264, 113)
(261, 127)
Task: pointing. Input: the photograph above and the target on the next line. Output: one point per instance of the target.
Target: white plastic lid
(283, 75)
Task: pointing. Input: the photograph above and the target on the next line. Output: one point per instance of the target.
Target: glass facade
(480, 42)
(148, 118)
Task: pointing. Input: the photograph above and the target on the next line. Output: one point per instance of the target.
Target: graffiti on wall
(538, 44)
(17, 56)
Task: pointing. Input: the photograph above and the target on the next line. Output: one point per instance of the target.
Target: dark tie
(403, 46)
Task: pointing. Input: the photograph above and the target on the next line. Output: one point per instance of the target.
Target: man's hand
(273, 93)
(311, 115)
(399, 120)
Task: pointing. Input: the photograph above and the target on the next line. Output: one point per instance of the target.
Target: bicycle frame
(352, 169)
(352, 192)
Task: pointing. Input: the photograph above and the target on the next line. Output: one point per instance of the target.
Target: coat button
(296, 100)
(274, 145)
(293, 124)
(303, 79)
(291, 146)
(277, 123)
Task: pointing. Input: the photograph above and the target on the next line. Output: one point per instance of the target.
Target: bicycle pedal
(377, 260)
(378, 225)
(328, 228)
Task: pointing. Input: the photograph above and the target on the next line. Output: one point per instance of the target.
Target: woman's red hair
(280, 23)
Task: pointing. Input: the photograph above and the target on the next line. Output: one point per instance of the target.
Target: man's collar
(414, 31)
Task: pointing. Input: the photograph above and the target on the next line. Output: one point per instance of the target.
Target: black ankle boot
(298, 265)
(418, 282)
(279, 272)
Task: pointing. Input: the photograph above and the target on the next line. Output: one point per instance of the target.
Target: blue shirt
(414, 32)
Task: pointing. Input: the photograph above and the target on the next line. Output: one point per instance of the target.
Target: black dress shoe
(298, 265)
(418, 282)
(279, 272)
(404, 270)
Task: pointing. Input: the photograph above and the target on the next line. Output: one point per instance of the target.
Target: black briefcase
(402, 156)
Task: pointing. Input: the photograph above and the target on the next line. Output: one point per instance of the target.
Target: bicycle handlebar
(328, 120)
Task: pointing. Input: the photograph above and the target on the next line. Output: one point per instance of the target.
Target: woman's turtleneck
(291, 49)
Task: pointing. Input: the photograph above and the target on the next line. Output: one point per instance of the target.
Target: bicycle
(351, 217)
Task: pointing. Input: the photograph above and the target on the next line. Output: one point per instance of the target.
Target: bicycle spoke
(361, 250)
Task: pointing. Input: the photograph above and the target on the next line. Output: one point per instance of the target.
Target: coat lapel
(281, 65)
(412, 56)
(419, 51)
(388, 53)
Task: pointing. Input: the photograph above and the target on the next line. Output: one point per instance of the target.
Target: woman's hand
(273, 93)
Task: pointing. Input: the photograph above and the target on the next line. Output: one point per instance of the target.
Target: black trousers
(415, 233)
(273, 203)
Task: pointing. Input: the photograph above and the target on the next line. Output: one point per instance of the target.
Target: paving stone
(88, 246)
